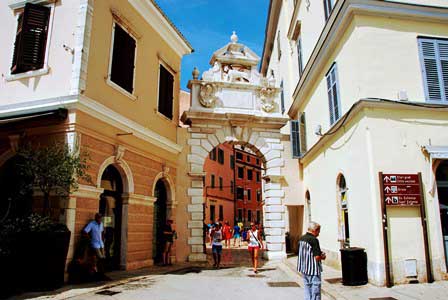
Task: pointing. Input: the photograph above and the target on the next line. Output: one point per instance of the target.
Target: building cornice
(269, 35)
(356, 109)
(96, 110)
(15, 4)
(154, 15)
(336, 25)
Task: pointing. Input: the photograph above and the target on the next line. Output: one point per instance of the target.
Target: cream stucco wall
(56, 82)
(150, 50)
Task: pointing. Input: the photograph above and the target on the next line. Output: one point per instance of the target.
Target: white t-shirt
(97, 229)
(253, 238)
(217, 238)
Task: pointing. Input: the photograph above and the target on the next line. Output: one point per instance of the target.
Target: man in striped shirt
(309, 262)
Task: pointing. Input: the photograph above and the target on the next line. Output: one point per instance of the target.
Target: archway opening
(15, 200)
(159, 220)
(442, 192)
(344, 228)
(308, 205)
(233, 191)
(110, 207)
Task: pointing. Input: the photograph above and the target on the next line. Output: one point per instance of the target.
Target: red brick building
(249, 207)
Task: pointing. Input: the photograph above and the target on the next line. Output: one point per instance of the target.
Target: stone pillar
(196, 223)
(274, 223)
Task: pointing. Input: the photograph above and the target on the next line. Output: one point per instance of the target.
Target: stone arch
(267, 145)
(7, 155)
(343, 209)
(124, 170)
(169, 185)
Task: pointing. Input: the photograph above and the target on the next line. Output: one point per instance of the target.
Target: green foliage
(54, 169)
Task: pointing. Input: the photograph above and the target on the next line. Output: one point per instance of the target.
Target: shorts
(236, 236)
(217, 249)
(252, 248)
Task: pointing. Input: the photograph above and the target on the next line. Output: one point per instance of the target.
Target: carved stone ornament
(207, 95)
(267, 99)
(119, 153)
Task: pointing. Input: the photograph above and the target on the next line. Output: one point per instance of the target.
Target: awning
(435, 152)
(55, 114)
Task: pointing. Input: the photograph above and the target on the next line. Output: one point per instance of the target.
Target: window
(212, 181)
(302, 133)
(212, 213)
(300, 55)
(240, 215)
(232, 162)
(232, 187)
(434, 62)
(221, 156)
(258, 161)
(249, 194)
(258, 216)
(248, 158)
(31, 39)
(249, 215)
(123, 59)
(239, 193)
(258, 176)
(333, 94)
(240, 172)
(250, 175)
(279, 51)
(221, 212)
(258, 196)
(166, 88)
(220, 183)
(212, 154)
(239, 156)
(328, 7)
(295, 138)
(282, 98)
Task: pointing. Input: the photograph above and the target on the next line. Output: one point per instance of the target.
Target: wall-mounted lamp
(318, 130)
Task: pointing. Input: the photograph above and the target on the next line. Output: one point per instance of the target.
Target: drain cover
(333, 280)
(383, 298)
(107, 293)
(283, 284)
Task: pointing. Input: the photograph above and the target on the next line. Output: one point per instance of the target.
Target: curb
(327, 289)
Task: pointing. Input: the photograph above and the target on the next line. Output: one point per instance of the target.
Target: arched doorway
(159, 221)
(308, 205)
(344, 229)
(442, 191)
(15, 200)
(110, 207)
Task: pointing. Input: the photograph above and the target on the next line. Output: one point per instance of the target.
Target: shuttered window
(282, 98)
(300, 55)
(295, 138)
(333, 94)
(279, 49)
(123, 59)
(166, 84)
(328, 7)
(302, 133)
(31, 39)
(434, 61)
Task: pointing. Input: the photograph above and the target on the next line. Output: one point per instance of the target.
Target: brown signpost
(399, 190)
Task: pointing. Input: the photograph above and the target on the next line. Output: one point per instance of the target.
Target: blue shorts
(216, 249)
(236, 236)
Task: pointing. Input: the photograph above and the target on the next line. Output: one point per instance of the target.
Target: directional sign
(401, 189)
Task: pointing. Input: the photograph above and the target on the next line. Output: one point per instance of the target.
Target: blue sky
(208, 25)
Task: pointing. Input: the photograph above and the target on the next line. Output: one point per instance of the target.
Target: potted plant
(36, 244)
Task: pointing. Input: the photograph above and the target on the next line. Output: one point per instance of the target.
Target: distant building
(365, 83)
(184, 105)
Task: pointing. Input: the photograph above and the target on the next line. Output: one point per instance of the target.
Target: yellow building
(366, 85)
(104, 76)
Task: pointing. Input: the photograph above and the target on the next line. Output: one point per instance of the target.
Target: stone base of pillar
(274, 255)
(197, 257)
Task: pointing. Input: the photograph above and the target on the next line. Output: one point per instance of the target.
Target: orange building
(249, 207)
(219, 184)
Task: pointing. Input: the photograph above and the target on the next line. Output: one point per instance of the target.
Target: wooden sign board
(401, 189)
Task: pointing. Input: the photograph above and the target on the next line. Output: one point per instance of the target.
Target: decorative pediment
(235, 53)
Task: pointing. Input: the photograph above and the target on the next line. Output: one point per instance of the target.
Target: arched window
(344, 229)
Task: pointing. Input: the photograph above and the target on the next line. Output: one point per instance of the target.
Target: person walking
(216, 242)
(309, 262)
(236, 235)
(254, 245)
(96, 230)
(168, 237)
(227, 234)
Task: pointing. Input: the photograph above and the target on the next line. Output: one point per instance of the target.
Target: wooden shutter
(333, 94)
(434, 60)
(300, 55)
(295, 138)
(166, 85)
(302, 131)
(123, 59)
(282, 98)
(31, 39)
(327, 9)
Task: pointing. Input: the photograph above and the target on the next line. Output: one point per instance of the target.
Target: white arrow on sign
(388, 200)
(387, 189)
(387, 179)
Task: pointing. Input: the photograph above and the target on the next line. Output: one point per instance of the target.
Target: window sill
(29, 74)
(121, 90)
(162, 116)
